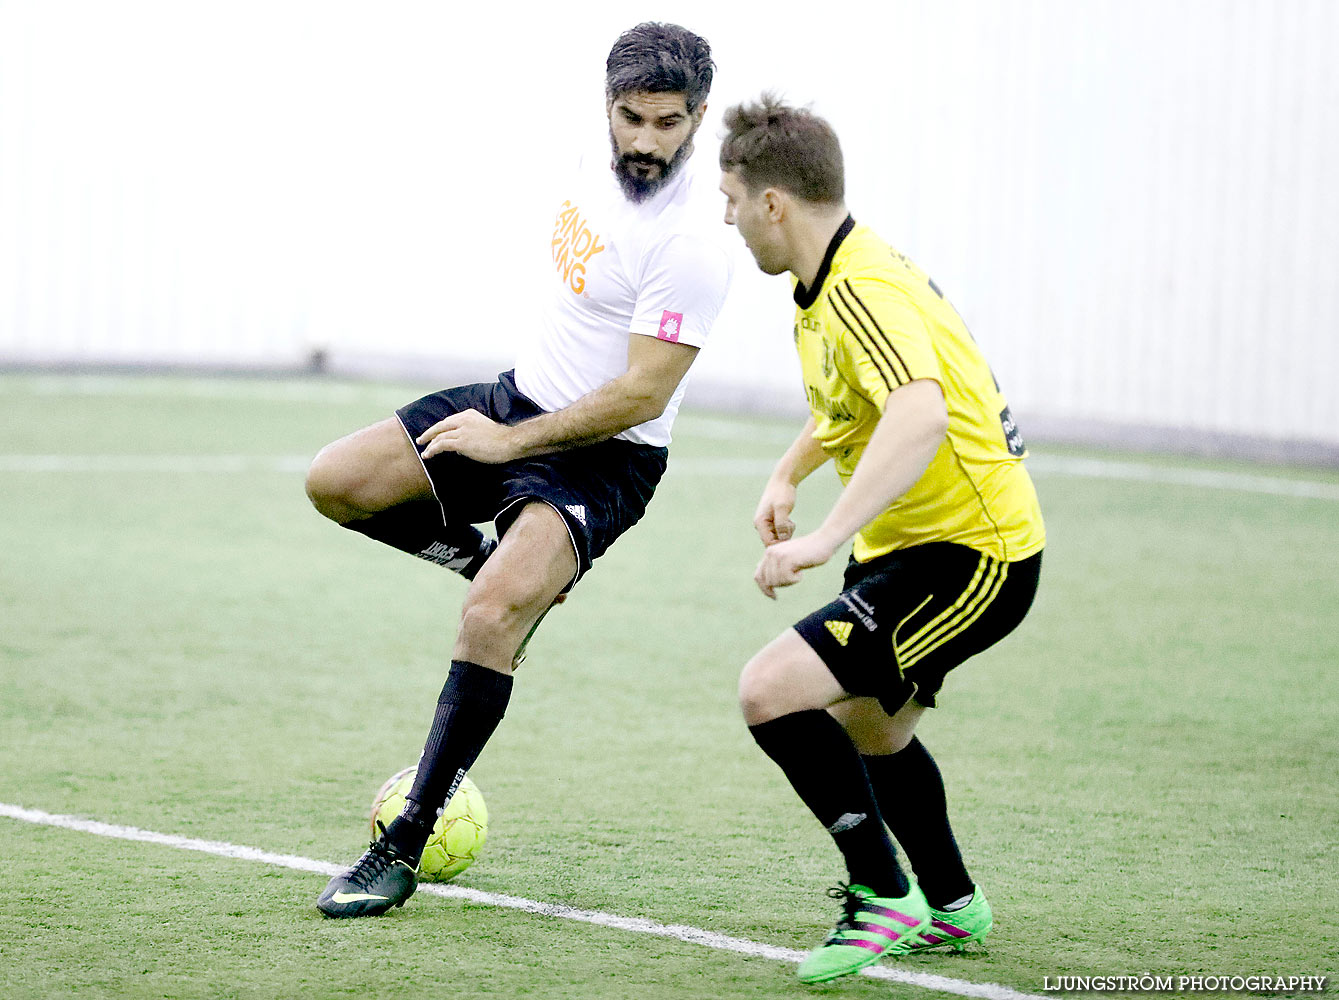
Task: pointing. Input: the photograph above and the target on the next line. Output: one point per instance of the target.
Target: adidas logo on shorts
(578, 511)
(841, 631)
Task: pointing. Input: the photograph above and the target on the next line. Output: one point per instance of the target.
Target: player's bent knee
(872, 729)
(335, 486)
(326, 488)
(786, 676)
(366, 472)
(875, 740)
(758, 692)
(492, 615)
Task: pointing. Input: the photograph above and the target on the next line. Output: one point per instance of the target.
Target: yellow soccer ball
(458, 834)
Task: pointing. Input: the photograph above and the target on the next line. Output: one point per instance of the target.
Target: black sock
(416, 527)
(824, 768)
(471, 705)
(910, 790)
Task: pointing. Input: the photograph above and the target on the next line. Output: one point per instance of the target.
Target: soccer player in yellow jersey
(947, 535)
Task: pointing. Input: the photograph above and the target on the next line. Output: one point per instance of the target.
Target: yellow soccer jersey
(874, 321)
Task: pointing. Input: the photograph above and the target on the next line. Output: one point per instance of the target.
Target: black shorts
(907, 618)
(600, 490)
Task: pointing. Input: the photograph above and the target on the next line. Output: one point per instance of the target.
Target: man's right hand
(772, 518)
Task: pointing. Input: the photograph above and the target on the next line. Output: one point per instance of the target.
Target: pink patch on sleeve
(669, 326)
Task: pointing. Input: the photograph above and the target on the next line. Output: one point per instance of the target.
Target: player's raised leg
(784, 692)
(372, 482)
(533, 563)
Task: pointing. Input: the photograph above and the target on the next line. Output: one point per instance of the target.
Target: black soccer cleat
(380, 879)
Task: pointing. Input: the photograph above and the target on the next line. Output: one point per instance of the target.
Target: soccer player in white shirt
(563, 453)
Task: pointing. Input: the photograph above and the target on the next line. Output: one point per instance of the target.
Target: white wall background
(1132, 203)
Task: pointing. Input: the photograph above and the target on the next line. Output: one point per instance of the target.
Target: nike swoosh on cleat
(353, 897)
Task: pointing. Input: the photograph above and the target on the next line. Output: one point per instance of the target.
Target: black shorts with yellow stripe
(905, 619)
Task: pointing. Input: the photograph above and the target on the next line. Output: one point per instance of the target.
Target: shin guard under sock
(910, 792)
(822, 764)
(471, 705)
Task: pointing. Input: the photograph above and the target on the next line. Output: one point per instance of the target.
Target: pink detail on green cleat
(879, 929)
(947, 929)
(955, 927)
(870, 927)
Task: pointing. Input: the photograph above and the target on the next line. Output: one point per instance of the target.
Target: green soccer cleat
(871, 927)
(956, 927)
(380, 879)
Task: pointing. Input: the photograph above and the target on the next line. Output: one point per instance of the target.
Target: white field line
(138, 464)
(1054, 465)
(277, 390)
(1213, 479)
(637, 925)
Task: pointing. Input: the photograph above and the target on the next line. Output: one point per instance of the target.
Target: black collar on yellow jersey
(805, 297)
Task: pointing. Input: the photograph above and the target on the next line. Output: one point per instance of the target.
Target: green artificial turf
(1142, 777)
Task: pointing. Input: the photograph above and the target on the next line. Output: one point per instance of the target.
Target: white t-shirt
(655, 269)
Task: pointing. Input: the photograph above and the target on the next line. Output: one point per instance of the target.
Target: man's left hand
(782, 563)
(473, 435)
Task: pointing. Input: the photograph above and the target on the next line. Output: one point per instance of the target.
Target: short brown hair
(770, 144)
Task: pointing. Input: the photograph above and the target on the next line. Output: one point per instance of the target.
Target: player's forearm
(909, 432)
(621, 403)
(801, 458)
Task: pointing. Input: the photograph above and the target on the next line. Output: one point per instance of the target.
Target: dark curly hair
(768, 143)
(660, 58)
